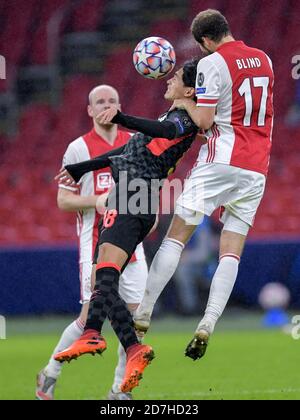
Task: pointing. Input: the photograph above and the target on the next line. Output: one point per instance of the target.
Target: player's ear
(90, 111)
(190, 92)
(119, 107)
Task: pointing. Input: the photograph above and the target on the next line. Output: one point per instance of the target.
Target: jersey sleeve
(77, 170)
(152, 128)
(182, 122)
(207, 83)
(70, 157)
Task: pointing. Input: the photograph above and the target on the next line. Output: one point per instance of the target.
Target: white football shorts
(214, 185)
(132, 282)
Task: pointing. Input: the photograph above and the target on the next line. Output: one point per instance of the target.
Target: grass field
(239, 364)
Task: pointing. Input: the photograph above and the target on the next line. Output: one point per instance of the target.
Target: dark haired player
(149, 156)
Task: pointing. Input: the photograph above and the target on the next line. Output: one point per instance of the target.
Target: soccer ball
(154, 57)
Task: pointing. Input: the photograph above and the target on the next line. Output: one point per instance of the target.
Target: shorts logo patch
(200, 79)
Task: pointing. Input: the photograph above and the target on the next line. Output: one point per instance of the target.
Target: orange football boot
(139, 357)
(91, 342)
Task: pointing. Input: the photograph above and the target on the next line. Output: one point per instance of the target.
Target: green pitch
(238, 365)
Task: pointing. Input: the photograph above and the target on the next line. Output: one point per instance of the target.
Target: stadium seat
(88, 15)
(31, 158)
(39, 45)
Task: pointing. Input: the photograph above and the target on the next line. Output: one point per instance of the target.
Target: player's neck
(108, 133)
(226, 39)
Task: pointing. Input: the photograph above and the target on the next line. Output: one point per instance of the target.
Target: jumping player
(235, 85)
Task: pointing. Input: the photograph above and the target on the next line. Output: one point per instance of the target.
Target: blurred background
(56, 51)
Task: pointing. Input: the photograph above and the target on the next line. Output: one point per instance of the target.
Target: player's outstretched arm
(153, 128)
(203, 117)
(77, 170)
(176, 124)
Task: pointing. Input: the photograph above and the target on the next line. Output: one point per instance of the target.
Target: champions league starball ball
(154, 57)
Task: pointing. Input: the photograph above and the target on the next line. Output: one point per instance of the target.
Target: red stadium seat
(29, 212)
(17, 20)
(39, 47)
(169, 29)
(88, 15)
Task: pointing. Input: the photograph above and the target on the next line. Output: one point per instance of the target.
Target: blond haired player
(88, 202)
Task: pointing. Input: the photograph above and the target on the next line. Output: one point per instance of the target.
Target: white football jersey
(238, 81)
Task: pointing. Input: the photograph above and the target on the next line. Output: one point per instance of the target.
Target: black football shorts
(125, 231)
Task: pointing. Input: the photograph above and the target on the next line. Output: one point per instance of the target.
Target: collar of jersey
(97, 137)
(229, 44)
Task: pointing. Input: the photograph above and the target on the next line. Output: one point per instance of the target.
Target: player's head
(209, 28)
(182, 84)
(101, 98)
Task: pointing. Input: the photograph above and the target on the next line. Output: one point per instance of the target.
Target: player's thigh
(126, 233)
(133, 282)
(110, 253)
(246, 198)
(207, 188)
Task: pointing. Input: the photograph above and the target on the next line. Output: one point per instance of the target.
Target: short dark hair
(211, 24)
(190, 72)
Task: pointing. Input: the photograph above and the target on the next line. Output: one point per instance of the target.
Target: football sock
(70, 334)
(162, 269)
(122, 323)
(104, 295)
(106, 301)
(220, 289)
(120, 369)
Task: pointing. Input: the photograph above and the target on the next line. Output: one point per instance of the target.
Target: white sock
(162, 269)
(120, 369)
(220, 289)
(70, 334)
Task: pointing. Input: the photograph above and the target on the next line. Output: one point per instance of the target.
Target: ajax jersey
(238, 81)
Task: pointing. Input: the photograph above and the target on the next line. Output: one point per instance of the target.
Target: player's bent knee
(181, 229)
(112, 253)
(132, 307)
(231, 243)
